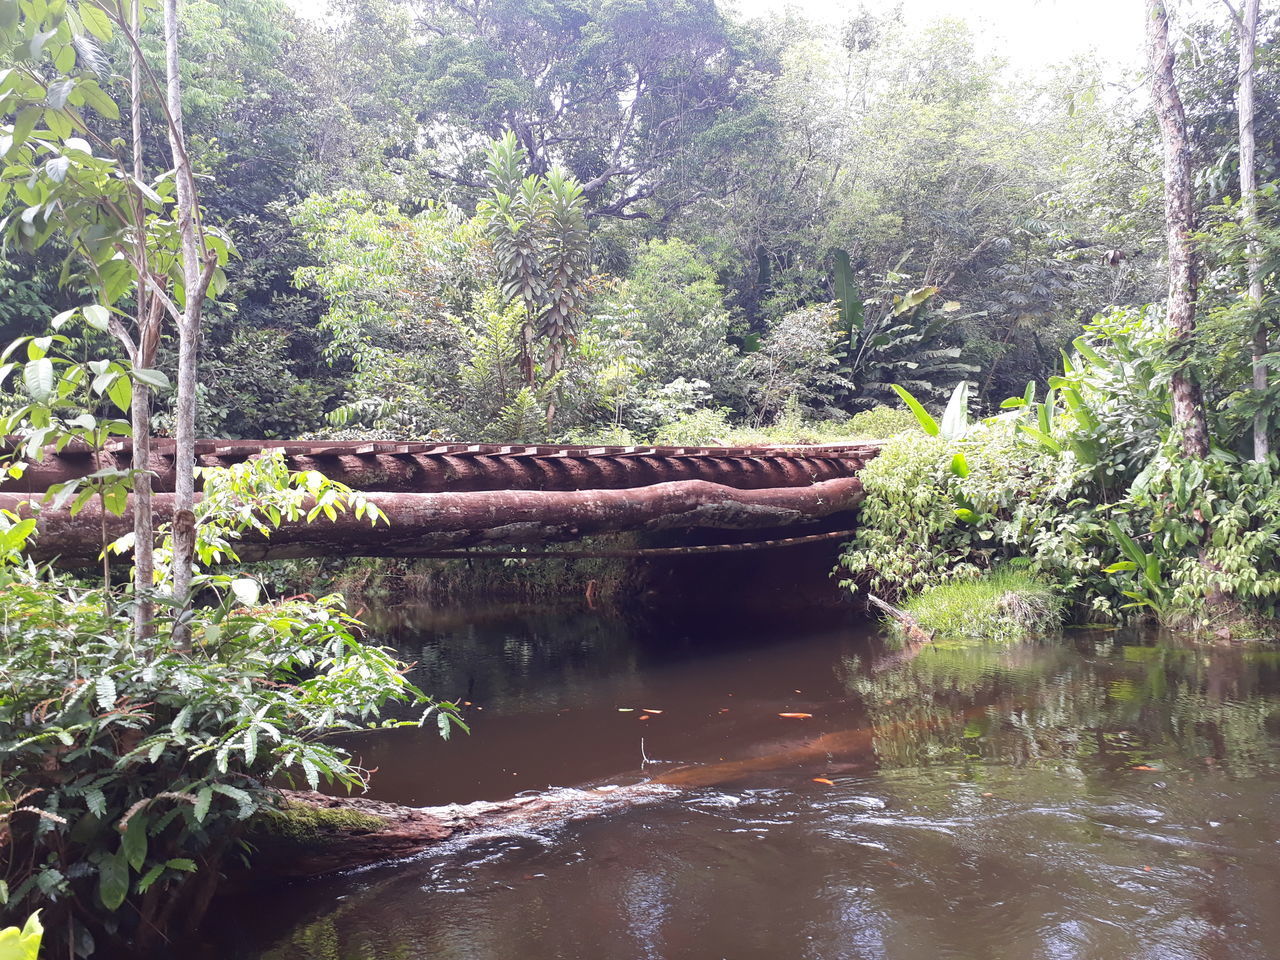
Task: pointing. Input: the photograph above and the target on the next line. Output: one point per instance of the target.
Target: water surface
(1094, 796)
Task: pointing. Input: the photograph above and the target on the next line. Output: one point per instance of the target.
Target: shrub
(701, 427)
(130, 768)
(881, 422)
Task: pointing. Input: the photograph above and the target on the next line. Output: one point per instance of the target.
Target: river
(1096, 795)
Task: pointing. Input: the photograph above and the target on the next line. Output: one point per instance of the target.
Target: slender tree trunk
(1249, 210)
(1188, 405)
(197, 270)
(147, 323)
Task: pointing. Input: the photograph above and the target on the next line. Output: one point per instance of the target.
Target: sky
(1027, 33)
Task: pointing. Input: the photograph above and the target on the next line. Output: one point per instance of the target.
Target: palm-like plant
(538, 228)
(893, 338)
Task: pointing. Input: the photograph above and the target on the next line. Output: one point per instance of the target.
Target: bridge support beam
(423, 523)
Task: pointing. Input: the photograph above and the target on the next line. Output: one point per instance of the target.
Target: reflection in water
(1089, 797)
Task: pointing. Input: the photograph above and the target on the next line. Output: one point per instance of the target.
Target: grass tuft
(1003, 606)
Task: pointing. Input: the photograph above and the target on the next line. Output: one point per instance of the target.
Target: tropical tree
(1188, 404)
(537, 225)
(138, 244)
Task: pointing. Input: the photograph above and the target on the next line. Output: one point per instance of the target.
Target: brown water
(1090, 797)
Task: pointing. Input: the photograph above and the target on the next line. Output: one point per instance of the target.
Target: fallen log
(910, 626)
(429, 522)
(317, 834)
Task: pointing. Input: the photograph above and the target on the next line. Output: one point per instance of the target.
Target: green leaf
(121, 393)
(23, 126)
(1046, 441)
(155, 379)
(246, 590)
(1120, 566)
(96, 98)
(113, 879)
(96, 316)
(151, 876)
(135, 841)
(96, 21)
(960, 466)
(1086, 351)
(955, 419)
(203, 799)
(38, 378)
(927, 423)
(913, 299)
(1128, 545)
(59, 90)
(116, 499)
(851, 309)
(21, 944)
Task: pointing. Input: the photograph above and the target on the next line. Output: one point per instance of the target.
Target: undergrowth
(1004, 606)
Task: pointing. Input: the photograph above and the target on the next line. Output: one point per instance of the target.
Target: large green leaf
(38, 377)
(22, 944)
(955, 419)
(113, 879)
(851, 312)
(927, 423)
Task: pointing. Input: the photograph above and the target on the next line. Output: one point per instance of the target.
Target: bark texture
(197, 272)
(1188, 405)
(426, 522)
(417, 472)
(1248, 27)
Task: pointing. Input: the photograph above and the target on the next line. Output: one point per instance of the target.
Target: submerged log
(318, 834)
(427, 522)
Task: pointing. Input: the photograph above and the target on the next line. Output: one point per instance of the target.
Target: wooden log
(416, 472)
(427, 522)
(910, 626)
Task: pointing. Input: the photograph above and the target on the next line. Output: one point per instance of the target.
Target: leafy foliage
(130, 768)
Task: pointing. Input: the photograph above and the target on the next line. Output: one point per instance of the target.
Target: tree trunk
(147, 324)
(1188, 405)
(429, 522)
(196, 273)
(484, 469)
(1249, 213)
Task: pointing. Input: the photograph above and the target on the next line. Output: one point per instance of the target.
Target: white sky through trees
(1028, 34)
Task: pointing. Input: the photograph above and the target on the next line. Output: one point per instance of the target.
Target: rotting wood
(408, 831)
(910, 626)
(429, 522)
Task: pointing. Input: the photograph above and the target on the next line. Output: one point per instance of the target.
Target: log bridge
(445, 499)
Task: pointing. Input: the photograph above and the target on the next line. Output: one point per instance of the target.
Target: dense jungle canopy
(743, 219)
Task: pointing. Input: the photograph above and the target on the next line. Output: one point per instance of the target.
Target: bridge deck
(419, 467)
(446, 496)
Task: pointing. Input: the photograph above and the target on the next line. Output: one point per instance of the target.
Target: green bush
(130, 768)
(881, 422)
(1085, 488)
(699, 428)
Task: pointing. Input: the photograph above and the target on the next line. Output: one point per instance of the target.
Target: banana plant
(1153, 592)
(955, 418)
(954, 426)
